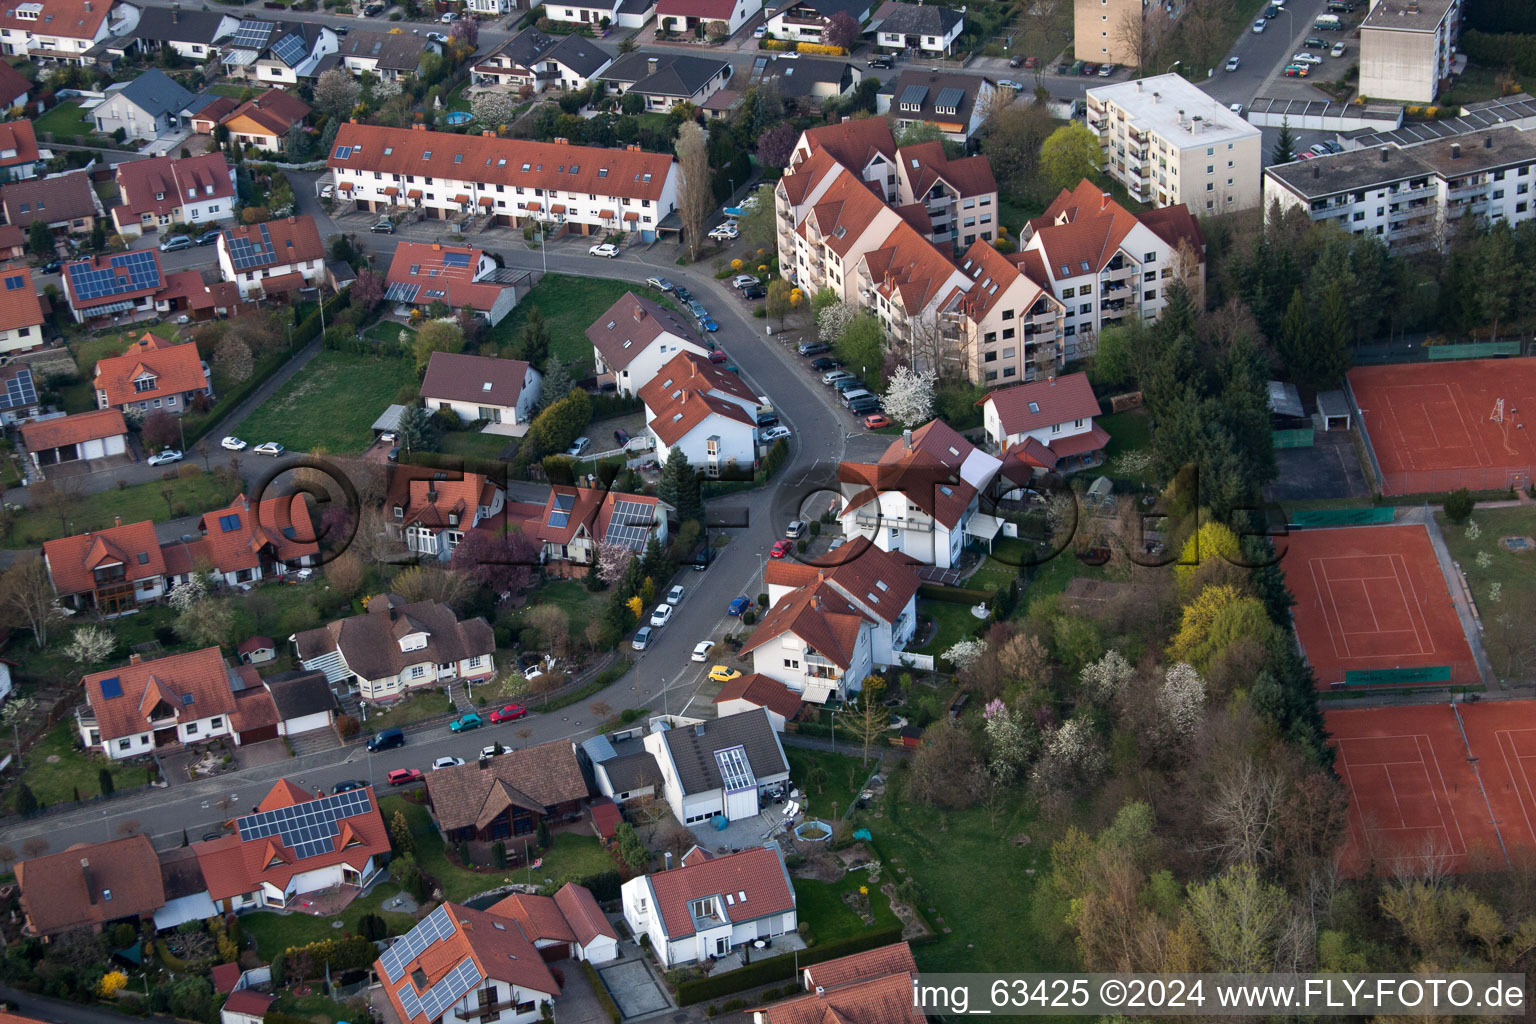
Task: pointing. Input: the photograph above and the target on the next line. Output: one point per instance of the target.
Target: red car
(717, 356)
(875, 420)
(404, 776)
(780, 548)
(508, 713)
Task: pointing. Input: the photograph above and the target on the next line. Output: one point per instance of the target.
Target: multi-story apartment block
(1106, 31)
(1169, 143)
(1408, 48)
(1011, 322)
(1413, 197)
(1106, 264)
(584, 189)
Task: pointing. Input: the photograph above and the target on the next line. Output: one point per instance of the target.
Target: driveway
(634, 988)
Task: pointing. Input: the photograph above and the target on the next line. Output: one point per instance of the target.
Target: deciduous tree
(90, 645)
(427, 583)
(842, 30)
(909, 396)
(492, 109)
(436, 336)
(27, 599)
(160, 429)
(1068, 155)
(695, 198)
(506, 563)
(233, 359)
(775, 144)
(207, 623)
(337, 93)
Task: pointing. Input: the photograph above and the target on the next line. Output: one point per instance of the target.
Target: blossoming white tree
(1104, 679)
(966, 653)
(186, 594)
(1182, 699)
(90, 645)
(909, 396)
(833, 320)
(1009, 745)
(612, 561)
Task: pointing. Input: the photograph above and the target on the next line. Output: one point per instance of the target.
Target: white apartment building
(1408, 48)
(1168, 142)
(584, 189)
(1413, 196)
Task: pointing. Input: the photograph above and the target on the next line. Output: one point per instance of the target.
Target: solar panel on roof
(20, 390)
(291, 50)
(401, 291)
(435, 926)
(252, 35)
(950, 99)
(308, 829)
(245, 253)
(456, 259)
(112, 687)
(125, 272)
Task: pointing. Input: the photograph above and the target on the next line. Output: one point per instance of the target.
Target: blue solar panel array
(309, 829)
(432, 1003)
(401, 291)
(455, 259)
(20, 389)
(112, 687)
(291, 50)
(435, 926)
(246, 254)
(253, 35)
(126, 272)
(630, 525)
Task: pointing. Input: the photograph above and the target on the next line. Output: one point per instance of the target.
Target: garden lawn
(57, 781)
(974, 878)
(831, 782)
(569, 306)
(388, 332)
(331, 404)
(273, 933)
(954, 620)
(1505, 621)
(190, 495)
(472, 444)
(820, 906)
(1003, 566)
(415, 708)
(1128, 431)
(65, 120)
(88, 350)
(579, 604)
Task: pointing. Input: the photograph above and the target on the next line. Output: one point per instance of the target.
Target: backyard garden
(330, 405)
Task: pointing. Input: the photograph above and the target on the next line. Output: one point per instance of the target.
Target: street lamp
(1172, 66)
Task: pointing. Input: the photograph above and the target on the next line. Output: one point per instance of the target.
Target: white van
(849, 397)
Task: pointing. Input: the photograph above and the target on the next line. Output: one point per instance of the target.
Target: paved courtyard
(633, 988)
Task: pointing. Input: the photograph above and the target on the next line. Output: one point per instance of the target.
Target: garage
(555, 951)
(255, 716)
(256, 735)
(304, 701)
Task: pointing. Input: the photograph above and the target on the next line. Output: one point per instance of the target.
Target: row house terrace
(582, 189)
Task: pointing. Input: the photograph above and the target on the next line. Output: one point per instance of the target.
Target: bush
(1458, 505)
(820, 48)
(498, 855)
(748, 617)
(603, 998)
(780, 968)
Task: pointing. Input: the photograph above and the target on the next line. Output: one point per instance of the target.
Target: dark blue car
(738, 606)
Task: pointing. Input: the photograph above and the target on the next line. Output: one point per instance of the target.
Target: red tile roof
(631, 324)
(539, 916)
(177, 369)
(236, 537)
(70, 19)
(249, 1002)
(497, 946)
(872, 963)
(626, 173)
(1175, 225)
(214, 112)
(687, 390)
(18, 143)
(605, 816)
(427, 498)
(275, 110)
(755, 878)
(54, 200)
(90, 884)
(19, 305)
(254, 709)
(456, 282)
(198, 675)
(926, 163)
(161, 185)
(881, 582)
(709, 10)
(756, 688)
(181, 557)
(882, 1000)
(73, 561)
(104, 262)
(817, 614)
(909, 267)
(233, 865)
(294, 240)
(1041, 404)
(1082, 226)
(844, 211)
(1079, 444)
(920, 475)
(474, 380)
(68, 430)
(12, 83)
(535, 778)
(853, 143)
(225, 977)
(582, 913)
(992, 275)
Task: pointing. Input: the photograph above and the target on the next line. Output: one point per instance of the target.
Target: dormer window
(145, 383)
(453, 519)
(399, 512)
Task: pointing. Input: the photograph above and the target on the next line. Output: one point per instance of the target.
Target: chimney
(1487, 141)
(487, 134)
(668, 860)
(639, 315)
(485, 763)
(1317, 172)
(175, 13)
(650, 64)
(1383, 154)
(117, 520)
(820, 991)
(906, 439)
(1138, 85)
(134, 659)
(431, 495)
(87, 6)
(561, 142)
(1455, 151)
(90, 884)
(1155, 97)
(1103, 201)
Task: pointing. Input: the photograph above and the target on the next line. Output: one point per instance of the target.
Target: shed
(1099, 492)
(1284, 400)
(910, 736)
(605, 817)
(389, 422)
(256, 650)
(245, 1007)
(1333, 408)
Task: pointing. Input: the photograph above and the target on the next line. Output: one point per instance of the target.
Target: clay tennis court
(1433, 426)
(1373, 597)
(1449, 785)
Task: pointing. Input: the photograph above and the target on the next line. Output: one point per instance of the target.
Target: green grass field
(65, 119)
(273, 933)
(569, 306)
(55, 770)
(1128, 431)
(330, 404)
(820, 906)
(829, 781)
(1008, 553)
(954, 621)
(471, 444)
(1513, 572)
(89, 350)
(190, 495)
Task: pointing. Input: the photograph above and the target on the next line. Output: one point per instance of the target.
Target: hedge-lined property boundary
(781, 968)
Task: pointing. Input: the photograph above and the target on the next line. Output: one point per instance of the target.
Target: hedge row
(603, 998)
(954, 595)
(781, 968)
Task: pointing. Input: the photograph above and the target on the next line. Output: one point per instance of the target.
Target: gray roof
(389, 419)
(396, 52)
(855, 9)
(370, 642)
(297, 694)
(798, 76)
(584, 56)
(1332, 403)
(917, 19)
(632, 771)
(156, 94)
(1364, 168)
(959, 89)
(1284, 399)
(1407, 15)
(163, 25)
(674, 75)
(693, 749)
(1518, 110)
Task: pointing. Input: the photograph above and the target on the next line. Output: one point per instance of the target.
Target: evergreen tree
(594, 581)
(533, 339)
(1335, 335)
(417, 432)
(557, 383)
(40, 240)
(653, 563)
(1285, 146)
(679, 487)
(1295, 338)
(26, 800)
(104, 780)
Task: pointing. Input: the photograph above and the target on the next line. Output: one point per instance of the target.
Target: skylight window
(602, 172)
(389, 150)
(427, 155)
(1034, 406)
(527, 167)
(486, 386)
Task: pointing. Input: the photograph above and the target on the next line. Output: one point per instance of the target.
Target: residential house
(202, 296)
(1408, 49)
(506, 796)
(275, 538)
(478, 388)
(63, 31)
(880, 585)
(304, 701)
(753, 692)
(918, 30)
(958, 197)
(698, 16)
(710, 905)
(731, 766)
(19, 155)
(295, 843)
(21, 312)
(635, 338)
(463, 966)
(816, 642)
(18, 391)
(808, 82)
(65, 202)
(274, 258)
(186, 899)
(958, 105)
(205, 112)
(264, 121)
(665, 79)
(294, 52)
(89, 886)
(1169, 142)
(194, 35)
(576, 520)
(394, 647)
(246, 1006)
(567, 924)
(827, 222)
(86, 435)
(431, 510)
(153, 374)
(144, 108)
(513, 182)
(872, 987)
(806, 21)
(458, 276)
(623, 770)
(705, 411)
(1010, 326)
(108, 285)
(13, 243)
(112, 571)
(538, 60)
(1106, 264)
(602, 13)
(492, 8)
(915, 505)
(913, 289)
(383, 55)
(148, 706)
(15, 90)
(163, 190)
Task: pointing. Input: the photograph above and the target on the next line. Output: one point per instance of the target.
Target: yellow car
(721, 674)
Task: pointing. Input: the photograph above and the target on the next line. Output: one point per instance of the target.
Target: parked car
(842, 387)
(1008, 83)
(233, 444)
(833, 376)
(796, 529)
(775, 434)
(447, 762)
(642, 638)
(1318, 150)
(724, 233)
(271, 448)
(661, 284)
(387, 739)
(176, 243)
(661, 616)
(737, 606)
(825, 363)
(697, 309)
(1338, 50)
(405, 776)
(760, 32)
(384, 227)
(508, 713)
(717, 356)
(449, 18)
(813, 348)
(1260, 25)
(579, 447)
(1297, 71)
(1015, 61)
(348, 786)
(862, 406)
(723, 674)
(213, 236)
(682, 294)
(702, 648)
(393, 455)
(1233, 63)
(743, 281)
(606, 249)
(876, 420)
(437, 37)
(1333, 147)
(882, 63)
(1106, 70)
(1088, 70)
(1313, 41)
(1031, 62)
(490, 750)
(1236, 108)
(464, 723)
(1305, 58)
(165, 458)
(675, 595)
(780, 548)
(707, 323)
(754, 292)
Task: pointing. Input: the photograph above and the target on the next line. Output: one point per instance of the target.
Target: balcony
(875, 522)
(482, 1011)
